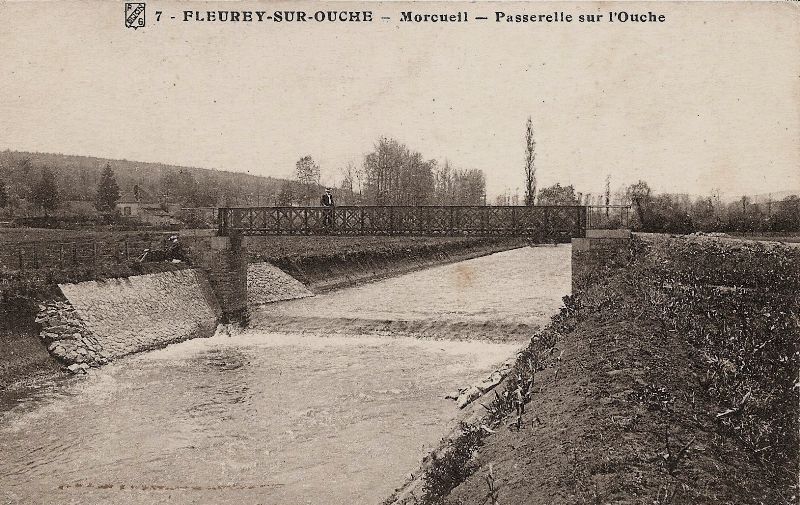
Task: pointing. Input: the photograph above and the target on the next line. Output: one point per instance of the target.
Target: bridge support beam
(224, 261)
(593, 255)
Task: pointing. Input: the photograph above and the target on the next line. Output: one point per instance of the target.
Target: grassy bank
(274, 248)
(326, 263)
(672, 380)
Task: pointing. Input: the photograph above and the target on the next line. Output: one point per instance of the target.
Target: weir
(104, 320)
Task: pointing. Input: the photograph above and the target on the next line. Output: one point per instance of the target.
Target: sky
(708, 100)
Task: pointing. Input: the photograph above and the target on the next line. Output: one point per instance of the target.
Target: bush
(449, 470)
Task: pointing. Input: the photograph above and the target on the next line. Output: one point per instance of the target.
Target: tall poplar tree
(530, 167)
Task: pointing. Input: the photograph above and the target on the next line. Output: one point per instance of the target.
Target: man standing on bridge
(327, 214)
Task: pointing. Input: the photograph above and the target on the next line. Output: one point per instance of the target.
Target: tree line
(671, 213)
(390, 174)
(76, 179)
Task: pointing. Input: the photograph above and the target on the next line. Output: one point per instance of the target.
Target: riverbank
(670, 380)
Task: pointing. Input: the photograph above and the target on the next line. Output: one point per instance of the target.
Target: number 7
(158, 16)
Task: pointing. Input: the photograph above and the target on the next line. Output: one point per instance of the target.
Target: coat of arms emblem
(134, 14)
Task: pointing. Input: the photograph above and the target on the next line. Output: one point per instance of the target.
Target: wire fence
(66, 254)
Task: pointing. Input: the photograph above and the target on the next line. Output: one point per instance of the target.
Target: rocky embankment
(68, 339)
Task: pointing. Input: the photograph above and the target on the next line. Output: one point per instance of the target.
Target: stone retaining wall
(267, 283)
(67, 338)
(124, 316)
(593, 255)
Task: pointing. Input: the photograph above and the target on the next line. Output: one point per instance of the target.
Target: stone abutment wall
(117, 317)
(594, 255)
(102, 320)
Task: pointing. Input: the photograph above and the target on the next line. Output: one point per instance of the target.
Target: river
(278, 418)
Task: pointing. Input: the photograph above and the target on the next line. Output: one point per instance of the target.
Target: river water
(277, 418)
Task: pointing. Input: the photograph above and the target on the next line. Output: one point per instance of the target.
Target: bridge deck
(538, 222)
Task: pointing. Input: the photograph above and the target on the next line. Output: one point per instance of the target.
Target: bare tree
(348, 177)
(530, 168)
(608, 193)
(308, 175)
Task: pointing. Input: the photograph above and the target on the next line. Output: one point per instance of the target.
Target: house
(139, 204)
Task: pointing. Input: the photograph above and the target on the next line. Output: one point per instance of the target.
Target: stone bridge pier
(594, 254)
(224, 261)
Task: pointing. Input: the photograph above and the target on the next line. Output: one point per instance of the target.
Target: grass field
(25, 235)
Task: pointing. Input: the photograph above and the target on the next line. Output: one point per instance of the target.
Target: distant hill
(77, 178)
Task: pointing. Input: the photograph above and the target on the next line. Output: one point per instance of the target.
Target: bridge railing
(544, 222)
(608, 216)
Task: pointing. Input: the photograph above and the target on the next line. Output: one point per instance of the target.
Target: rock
(468, 396)
(68, 344)
(491, 381)
(49, 337)
(76, 368)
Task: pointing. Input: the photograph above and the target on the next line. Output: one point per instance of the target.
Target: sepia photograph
(399, 253)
